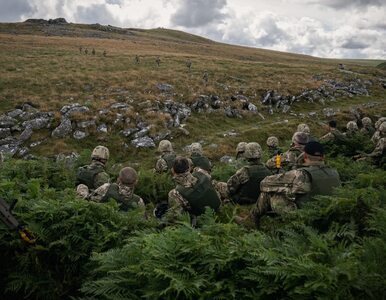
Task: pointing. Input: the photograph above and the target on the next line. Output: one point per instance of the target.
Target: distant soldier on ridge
(158, 61)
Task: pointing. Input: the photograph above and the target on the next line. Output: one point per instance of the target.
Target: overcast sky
(324, 28)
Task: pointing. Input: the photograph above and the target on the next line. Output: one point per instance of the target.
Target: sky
(323, 28)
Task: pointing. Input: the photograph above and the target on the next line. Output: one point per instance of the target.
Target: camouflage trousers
(221, 189)
(273, 202)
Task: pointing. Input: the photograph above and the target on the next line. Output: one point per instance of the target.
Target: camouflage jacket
(291, 159)
(376, 137)
(95, 169)
(379, 149)
(125, 195)
(333, 135)
(162, 165)
(369, 131)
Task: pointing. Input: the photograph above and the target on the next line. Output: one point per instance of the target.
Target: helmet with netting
(128, 176)
(303, 128)
(352, 126)
(272, 142)
(379, 122)
(165, 146)
(300, 138)
(382, 127)
(195, 148)
(366, 121)
(100, 152)
(241, 147)
(252, 151)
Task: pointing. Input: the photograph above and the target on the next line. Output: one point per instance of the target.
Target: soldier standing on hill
(158, 61)
(104, 53)
(137, 59)
(189, 64)
(80, 49)
(93, 51)
(205, 77)
(86, 51)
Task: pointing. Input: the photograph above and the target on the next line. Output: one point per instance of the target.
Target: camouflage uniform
(193, 192)
(166, 160)
(123, 194)
(92, 175)
(377, 135)
(243, 186)
(367, 128)
(284, 192)
(378, 154)
(306, 129)
(332, 136)
(198, 160)
(352, 129)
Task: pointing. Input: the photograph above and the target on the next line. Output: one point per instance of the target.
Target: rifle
(9, 219)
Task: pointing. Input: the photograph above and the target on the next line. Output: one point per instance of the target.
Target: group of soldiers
(93, 52)
(284, 182)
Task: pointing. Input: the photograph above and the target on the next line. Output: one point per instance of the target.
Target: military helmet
(300, 138)
(241, 147)
(100, 152)
(128, 176)
(165, 146)
(303, 128)
(366, 121)
(352, 126)
(272, 142)
(379, 122)
(252, 150)
(195, 148)
(382, 127)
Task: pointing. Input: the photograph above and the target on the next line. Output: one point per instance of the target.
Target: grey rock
(232, 112)
(226, 159)
(29, 108)
(38, 123)
(7, 122)
(9, 149)
(120, 105)
(164, 87)
(86, 124)
(9, 140)
(14, 113)
(183, 131)
(26, 134)
(213, 146)
(143, 142)
(69, 110)
(142, 125)
(102, 128)
(286, 109)
(4, 132)
(252, 107)
(64, 128)
(330, 112)
(313, 114)
(68, 159)
(119, 119)
(23, 151)
(230, 133)
(35, 144)
(79, 135)
(129, 131)
(161, 136)
(141, 133)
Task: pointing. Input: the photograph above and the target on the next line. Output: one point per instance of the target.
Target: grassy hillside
(42, 64)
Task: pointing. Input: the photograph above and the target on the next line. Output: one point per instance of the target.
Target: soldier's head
(181, 165)
(128, 176)
(313, 151)
(240, 149)
(379, 122)
(299, 139)
(100, 153)
(366, 122)
(165, 146)
(272, 142)
(352, 126)
(303, 128)
(253, 151)
(332, 124)
(195, 148)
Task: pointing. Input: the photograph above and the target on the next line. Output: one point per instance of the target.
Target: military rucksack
(250, 191)
(86, 175)
(323, 181)
(201, 162)
(169, 158)
(199, 196)
(126, 203)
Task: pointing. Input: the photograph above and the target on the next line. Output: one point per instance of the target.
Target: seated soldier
(240, 159)
(193, 191)
(166, 160)
(377, 135)
(273, 146)
(122, 191)
(288, 191)
(334, 135)
(92, 176)
(304, 128)
(367, 128)
(293, 157)
(352, 129)
(378, 155)
(197, 159)
(244, 186)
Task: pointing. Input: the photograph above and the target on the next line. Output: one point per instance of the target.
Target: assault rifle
(9, 219)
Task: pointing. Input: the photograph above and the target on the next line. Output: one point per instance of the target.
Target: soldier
(293, 157)
(137, 59)
(167, 158)
(352, 129)
(244, 185)
(378, 154)
(158, 61)
(122, 191)
(86, 51)
(205, 77)
(273, 146)
(193, 191)
(288, 191)
(104, 53)
(92, 176)
(334, 135)
(306, 129)
(199, 160)
(367, 128)
(240, 150)
(377, 135)
(80, 49)
(189, 64)
(93, 51)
